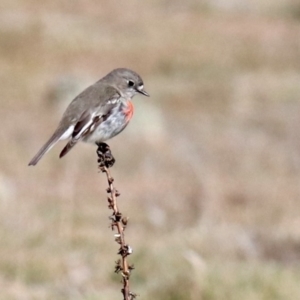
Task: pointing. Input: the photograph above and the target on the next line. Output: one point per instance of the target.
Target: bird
(98, 113)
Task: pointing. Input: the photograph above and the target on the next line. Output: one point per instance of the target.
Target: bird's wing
(92, 117)
(95, 97)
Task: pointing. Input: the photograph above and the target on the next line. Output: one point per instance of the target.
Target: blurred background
(208, 168)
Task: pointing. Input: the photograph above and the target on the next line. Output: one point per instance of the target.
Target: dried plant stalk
(118, 222)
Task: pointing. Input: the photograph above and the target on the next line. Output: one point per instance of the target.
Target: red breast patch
(129, 110)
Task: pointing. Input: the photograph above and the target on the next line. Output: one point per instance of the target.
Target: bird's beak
(141, 90)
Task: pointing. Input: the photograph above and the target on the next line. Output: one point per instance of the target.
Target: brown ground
(208, 169)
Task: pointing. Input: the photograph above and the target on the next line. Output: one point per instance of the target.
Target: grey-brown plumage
(97, 114)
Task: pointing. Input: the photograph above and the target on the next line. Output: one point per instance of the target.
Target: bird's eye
(130, 83)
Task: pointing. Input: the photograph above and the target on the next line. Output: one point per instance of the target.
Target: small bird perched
(99, 113)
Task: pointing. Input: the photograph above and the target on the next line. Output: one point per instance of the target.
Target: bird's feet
(105, 157)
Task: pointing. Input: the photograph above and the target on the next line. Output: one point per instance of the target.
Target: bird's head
(127, 82)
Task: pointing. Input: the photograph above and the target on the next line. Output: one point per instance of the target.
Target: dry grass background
(208, 169)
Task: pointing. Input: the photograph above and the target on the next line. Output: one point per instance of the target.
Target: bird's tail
(51, 142)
